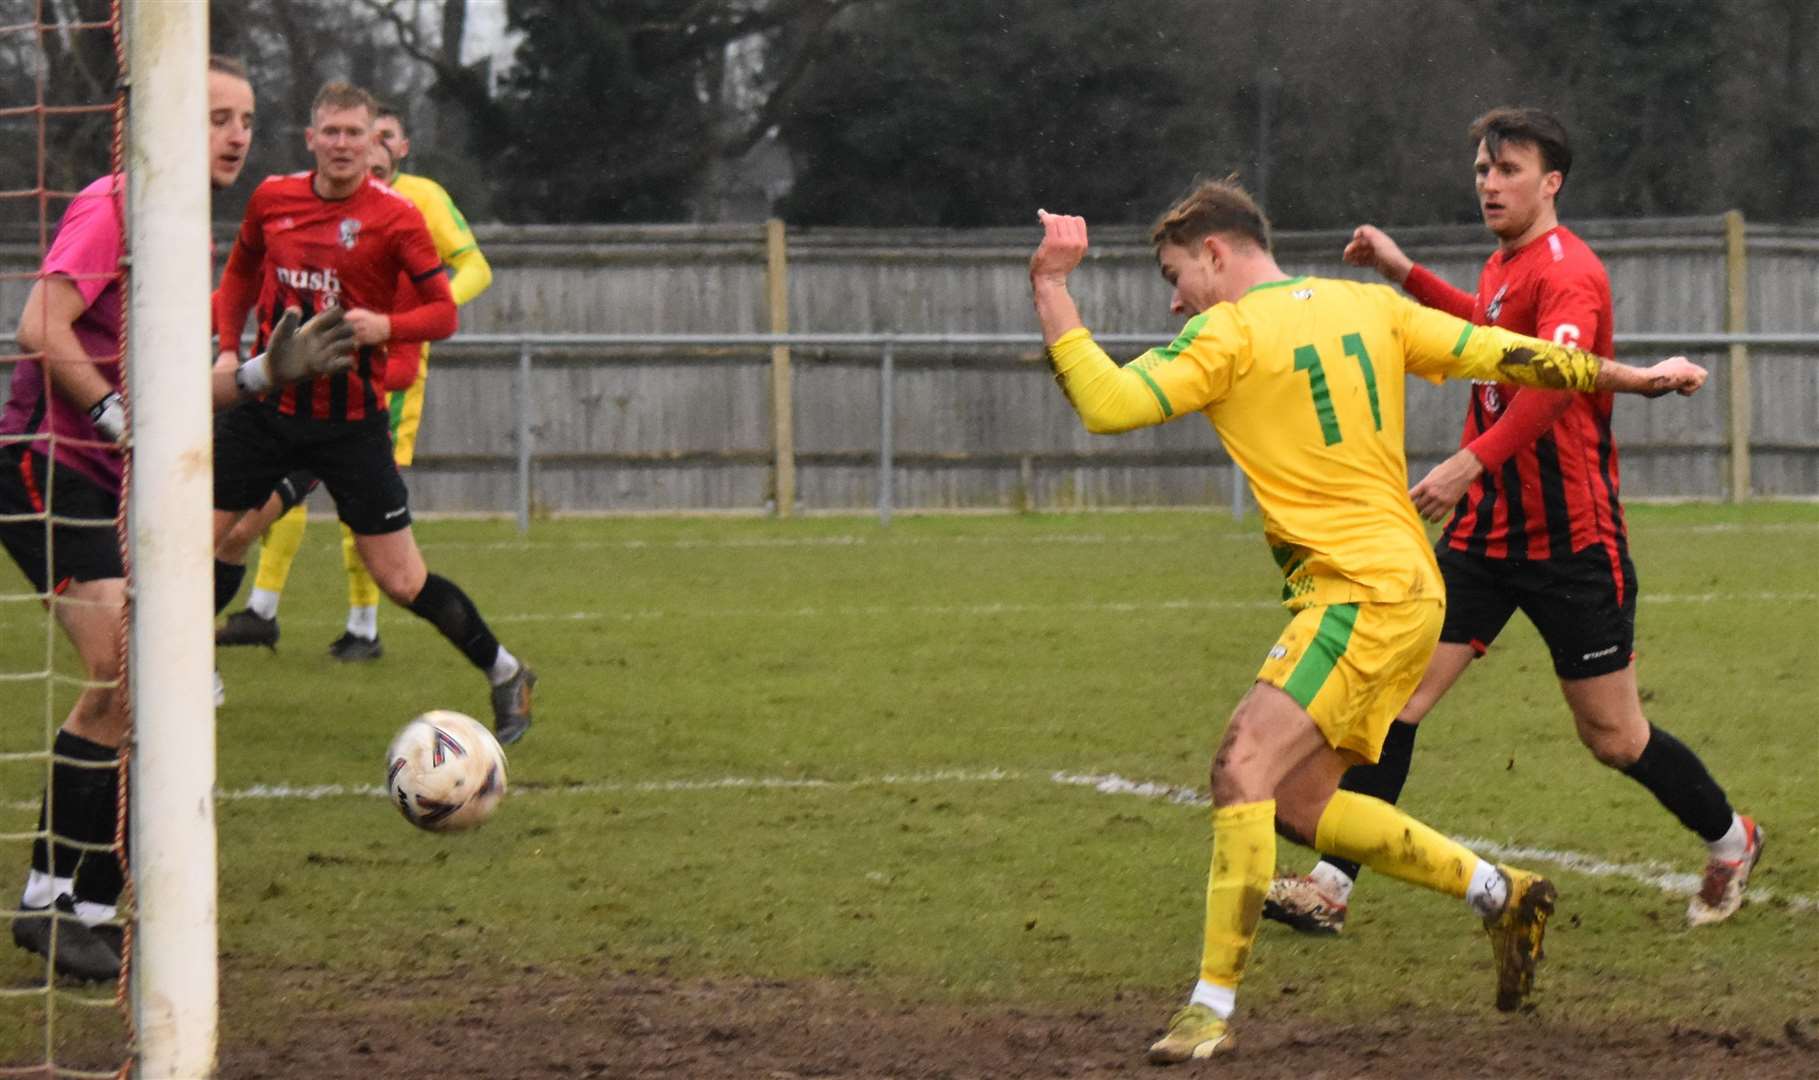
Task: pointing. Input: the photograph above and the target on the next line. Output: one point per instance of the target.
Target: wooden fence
(705, 427)
(700, 428)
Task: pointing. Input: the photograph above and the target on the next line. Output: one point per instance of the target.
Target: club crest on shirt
(1491, 310)
(350, 232)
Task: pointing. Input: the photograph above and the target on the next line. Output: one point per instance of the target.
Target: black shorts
(295, 487)
(1584, 605)
(256, 447)
(83, 544)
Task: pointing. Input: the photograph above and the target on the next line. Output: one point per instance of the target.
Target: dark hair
(341, 95)
(384, 109)
(1541, 130)
(227, 65)
(1213, 207)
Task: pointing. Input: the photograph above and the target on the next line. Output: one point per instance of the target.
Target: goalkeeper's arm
(47, 327)
(323, 346)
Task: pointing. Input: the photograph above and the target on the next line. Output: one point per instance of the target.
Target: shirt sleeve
(454, 240)
(1185, 376)
(431, 316)
(90, 242)
(1430, 289)
(1439, 346)
(1566, 311)
(411, 238)
(473, 274)
(240, 280)
(1530, 414)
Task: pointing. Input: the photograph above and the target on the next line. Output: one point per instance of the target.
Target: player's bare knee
(1614, 747)
(1237, 773)
(1615, 739)
(399, 587)
(99, 716)
(234, 546)
(1296, 821)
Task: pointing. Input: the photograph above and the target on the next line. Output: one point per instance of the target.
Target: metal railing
(887, 345)
(527, 345)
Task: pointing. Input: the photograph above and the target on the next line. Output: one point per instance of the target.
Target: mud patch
(544, 1025)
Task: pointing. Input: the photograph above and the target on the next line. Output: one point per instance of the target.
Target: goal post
(175, 992)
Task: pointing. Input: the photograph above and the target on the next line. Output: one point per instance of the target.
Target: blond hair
(1220, 207)
(342, 95)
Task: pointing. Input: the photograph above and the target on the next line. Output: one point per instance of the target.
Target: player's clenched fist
(1675, 375)
(1372, 247)
(1063, 245)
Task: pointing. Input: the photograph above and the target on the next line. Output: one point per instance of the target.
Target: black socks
(448, 609)
(82, 807)
(1676, 776)
(227, 583)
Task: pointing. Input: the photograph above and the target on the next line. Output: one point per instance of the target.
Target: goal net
(105, 701)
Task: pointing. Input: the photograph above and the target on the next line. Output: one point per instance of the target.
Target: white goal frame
(175, 989)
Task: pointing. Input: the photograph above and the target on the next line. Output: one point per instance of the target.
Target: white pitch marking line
(1107, 607)
(1655, 875)
(840, 540)
(1113, 607)
(723, 783)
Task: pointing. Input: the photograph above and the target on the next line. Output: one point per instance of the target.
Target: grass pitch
(944, 761)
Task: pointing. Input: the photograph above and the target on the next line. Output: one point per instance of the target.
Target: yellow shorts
(1353, 666)
(406, 408)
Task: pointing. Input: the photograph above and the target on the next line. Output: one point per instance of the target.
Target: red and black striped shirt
(298, 249)
(1550, 481)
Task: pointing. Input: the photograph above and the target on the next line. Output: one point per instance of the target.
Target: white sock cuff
(363, 622)
(41, 889)
(93, 914)
(1223, 1000)
(1489, 892)
(1734, 844)
(505, 665)
(1332, 880)
(263, 603)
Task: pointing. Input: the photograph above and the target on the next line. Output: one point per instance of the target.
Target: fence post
(1736, 321)
(521, 401)
(783, 430)
(887, 409)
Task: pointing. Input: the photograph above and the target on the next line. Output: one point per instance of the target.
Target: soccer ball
(445, 772)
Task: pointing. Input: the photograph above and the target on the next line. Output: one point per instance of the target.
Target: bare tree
(735, 64)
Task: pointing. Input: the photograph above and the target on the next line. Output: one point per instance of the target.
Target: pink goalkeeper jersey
(89, 245)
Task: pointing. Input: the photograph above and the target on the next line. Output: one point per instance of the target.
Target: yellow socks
(279, 549)
(1244, 861)
(362, 590)
(1372, 832)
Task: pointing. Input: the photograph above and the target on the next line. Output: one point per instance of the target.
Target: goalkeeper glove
(324, 346)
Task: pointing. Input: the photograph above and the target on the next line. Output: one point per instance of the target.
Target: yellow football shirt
(454, 240)
(1303, 380)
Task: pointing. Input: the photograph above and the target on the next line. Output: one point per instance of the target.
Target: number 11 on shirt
(1307, 358)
